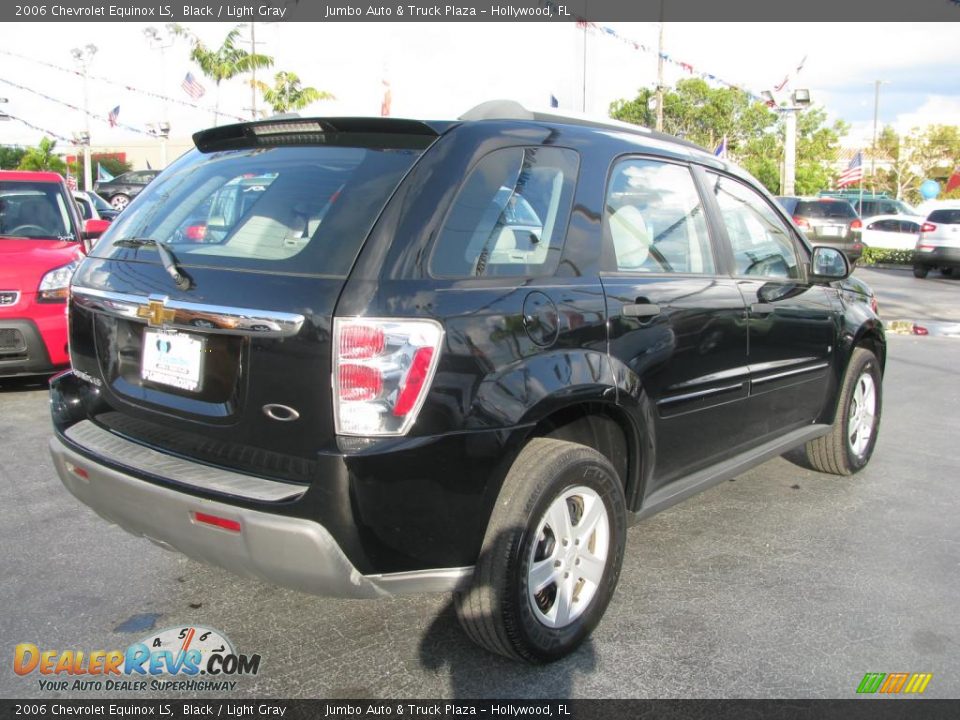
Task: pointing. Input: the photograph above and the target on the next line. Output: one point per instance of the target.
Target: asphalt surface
(781, 583)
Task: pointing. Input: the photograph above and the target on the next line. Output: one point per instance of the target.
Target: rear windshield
(36, 210)
(825, 209)
(302, 210)
(948, 217)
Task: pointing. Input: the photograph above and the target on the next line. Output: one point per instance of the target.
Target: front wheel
(119, 201)
(920, 271)
(847, 448)
(552, 554)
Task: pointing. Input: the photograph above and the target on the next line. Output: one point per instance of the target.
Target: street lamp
(799, 100)
(876, 113)
(162, 40)
(83, 56)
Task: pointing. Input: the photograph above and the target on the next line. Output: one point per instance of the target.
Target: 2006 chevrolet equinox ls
(367, 356)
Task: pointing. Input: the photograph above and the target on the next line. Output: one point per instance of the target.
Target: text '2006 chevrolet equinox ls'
(360, 357)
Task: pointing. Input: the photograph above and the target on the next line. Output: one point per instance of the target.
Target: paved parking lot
(782, 582)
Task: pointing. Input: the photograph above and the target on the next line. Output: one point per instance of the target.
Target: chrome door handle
(641, 310)
(762, 308)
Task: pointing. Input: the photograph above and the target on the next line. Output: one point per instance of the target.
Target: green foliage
(884, 256)
(224, 62)
(43, 157)
(754, 132)
(287, 94)
(933, 153)
(11, 155)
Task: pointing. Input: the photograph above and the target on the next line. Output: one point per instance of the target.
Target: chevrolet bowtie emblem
(155, 313)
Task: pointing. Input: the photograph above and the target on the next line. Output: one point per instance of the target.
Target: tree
(43, 157)
(287, 94)
(11, 155)
(754, 132)
(224, 62)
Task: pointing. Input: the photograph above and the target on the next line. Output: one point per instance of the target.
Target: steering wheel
(28, 226)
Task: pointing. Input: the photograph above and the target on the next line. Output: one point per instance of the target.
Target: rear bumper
(938, 257)
(287, 551)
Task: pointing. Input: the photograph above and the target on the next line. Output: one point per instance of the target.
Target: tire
(920, 271)
(550, 479)
(946, 272)
(119, 201)
(847, 448)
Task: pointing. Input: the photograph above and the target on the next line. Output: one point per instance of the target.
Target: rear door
(676, 321)
(233, 367)
(792, 323)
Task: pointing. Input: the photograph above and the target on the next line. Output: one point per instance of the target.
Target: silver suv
(939, 243)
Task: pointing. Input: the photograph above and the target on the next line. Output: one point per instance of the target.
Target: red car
(41, 242)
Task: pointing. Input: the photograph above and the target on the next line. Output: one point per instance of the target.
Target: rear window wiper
(182, 280)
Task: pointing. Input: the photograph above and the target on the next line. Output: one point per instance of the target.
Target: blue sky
(439, 70)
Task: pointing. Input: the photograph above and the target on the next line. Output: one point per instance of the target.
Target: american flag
(191, 87)
(71, 181)
(112, 117)
(854, 172)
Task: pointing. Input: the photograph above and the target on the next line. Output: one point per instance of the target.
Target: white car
(891, 232)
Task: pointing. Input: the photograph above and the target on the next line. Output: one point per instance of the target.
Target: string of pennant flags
(110, 120)
(45, 131)
(688, 68)
(196, 90)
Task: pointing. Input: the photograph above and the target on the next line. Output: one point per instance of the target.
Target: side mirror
(92, 229)
(828, 264)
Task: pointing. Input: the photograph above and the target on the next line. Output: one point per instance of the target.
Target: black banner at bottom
(856, 709)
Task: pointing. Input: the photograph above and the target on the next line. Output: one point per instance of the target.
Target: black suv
(360, 357)
(124, 188)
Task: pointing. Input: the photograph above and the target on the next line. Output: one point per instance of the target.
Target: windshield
(280, 209)
(35, 210)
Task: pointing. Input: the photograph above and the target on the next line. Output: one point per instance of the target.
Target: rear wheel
(920, 271)
(946, 272)
(551, 556)
(847, 448)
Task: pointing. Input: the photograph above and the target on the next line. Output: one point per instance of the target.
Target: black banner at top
(479, 10)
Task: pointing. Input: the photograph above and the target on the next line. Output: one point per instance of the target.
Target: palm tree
(286, 93)
(224, 62)
(43, 157)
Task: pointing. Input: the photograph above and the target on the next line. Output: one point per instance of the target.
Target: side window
(884, 226)
(654, 219)
(908, 226)
(510, 216)
(85, 212)
(760, 240)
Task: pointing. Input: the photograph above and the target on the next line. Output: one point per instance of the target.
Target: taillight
(856, 225)
(801, 223)
(196, 233)
(927, 227)
(382, 370)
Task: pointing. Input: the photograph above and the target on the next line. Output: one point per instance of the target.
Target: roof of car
(294, 127)
(30, 176)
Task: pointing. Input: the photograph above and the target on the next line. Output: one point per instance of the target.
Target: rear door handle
(641, 310)
(762, 308)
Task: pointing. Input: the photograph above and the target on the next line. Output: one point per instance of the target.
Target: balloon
(929, 189)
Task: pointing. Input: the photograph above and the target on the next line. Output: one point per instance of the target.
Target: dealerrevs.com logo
(176, 659)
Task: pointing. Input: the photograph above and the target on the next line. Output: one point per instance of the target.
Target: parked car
(122, 189)
(94, 207)
(451, 356)
(939, 243)
(827, 221)
(891, 232)
(870, 205)
(41, 243)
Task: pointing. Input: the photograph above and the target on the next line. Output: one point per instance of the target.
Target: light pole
(876, 114)
(161, 40)
(253, 68)
(660, 73)
(799, 100)
(83, 56)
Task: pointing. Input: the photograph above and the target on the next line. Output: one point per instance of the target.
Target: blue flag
(554, 102)
(103, 175)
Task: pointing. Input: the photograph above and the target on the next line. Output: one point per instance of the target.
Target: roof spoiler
(317, 131)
